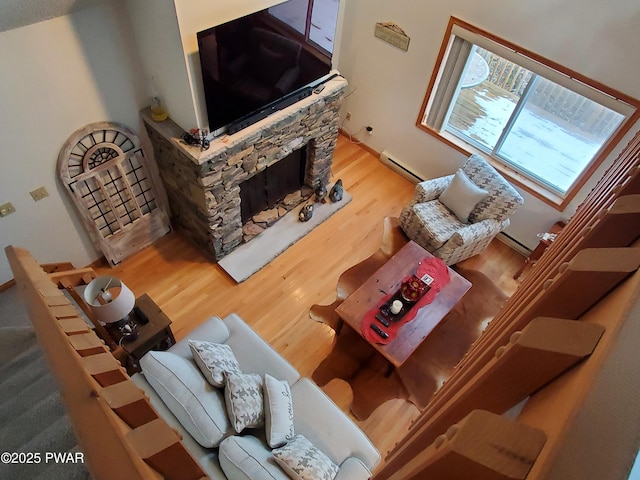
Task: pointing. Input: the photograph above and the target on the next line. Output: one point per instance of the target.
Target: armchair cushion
(462, 196)
(435, 224)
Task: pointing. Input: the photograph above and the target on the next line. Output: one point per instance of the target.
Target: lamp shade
(110, 300)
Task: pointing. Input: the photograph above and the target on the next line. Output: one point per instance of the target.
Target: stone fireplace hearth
(203, 187)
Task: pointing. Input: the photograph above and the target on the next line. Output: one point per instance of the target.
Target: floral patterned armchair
(482, 209)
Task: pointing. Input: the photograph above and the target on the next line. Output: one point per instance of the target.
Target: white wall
(157, 36)
(195, 16)
(58, 76)
(390, 84)
(165, 32)
(62, 74)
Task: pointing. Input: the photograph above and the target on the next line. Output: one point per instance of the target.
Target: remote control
(318, 89)
(382, 320)
(142, 317)
(381, 333)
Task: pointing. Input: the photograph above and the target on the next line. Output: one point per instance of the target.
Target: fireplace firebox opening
(267, 188)
(273, 192)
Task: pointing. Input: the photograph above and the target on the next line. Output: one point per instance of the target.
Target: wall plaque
(393, 34)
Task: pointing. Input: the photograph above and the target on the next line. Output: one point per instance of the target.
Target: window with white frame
(543, 126)
(316, 20)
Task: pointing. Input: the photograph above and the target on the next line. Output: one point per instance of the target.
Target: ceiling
(19, 13)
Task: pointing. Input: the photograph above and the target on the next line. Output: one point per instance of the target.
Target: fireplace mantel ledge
(173, 132)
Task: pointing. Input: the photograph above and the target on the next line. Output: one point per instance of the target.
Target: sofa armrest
(353, 469)
(254, 354)
(329, 428)
(476, 231)
(212, 330)
(431, 189)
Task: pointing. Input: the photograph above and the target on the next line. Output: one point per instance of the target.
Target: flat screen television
(254, 66)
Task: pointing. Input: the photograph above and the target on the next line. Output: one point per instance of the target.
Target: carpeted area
(250, 257)
(32, 416)
(13, 313)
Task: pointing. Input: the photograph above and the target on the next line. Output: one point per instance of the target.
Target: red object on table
(434, 267)
(388, 278)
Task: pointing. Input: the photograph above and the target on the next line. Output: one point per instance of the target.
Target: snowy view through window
(324, 17)
(555, 133)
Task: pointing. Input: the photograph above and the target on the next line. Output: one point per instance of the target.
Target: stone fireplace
(203, 187)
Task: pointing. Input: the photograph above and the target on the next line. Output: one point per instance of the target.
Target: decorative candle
(396, 306)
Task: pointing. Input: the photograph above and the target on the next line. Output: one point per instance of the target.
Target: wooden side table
(544, 243)
(154, 335)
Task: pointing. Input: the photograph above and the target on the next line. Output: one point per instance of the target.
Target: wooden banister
(584, 281)
(81, 363)
(130, 403)
(159, 446)
(73, 325)
(104, 368)
(482, 446)
(534, 357)
(572, 280)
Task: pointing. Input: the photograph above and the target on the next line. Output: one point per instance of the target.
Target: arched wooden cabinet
(103, 166)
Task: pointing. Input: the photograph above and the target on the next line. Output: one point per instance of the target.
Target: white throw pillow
(462, 195)
(197, 405)
(244, 400)
(247, 458)
(214, 359)
(303, 461)
(278, 411)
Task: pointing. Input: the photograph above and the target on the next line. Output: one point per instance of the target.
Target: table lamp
(109, 299)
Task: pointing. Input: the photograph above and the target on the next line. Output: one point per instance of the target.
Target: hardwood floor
(276, 300)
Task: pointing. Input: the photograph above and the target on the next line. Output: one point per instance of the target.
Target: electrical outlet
(347, 116)
(39, 193)
(6, 209)
(369, 130)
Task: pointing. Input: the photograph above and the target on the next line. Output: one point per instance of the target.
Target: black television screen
(253, 66)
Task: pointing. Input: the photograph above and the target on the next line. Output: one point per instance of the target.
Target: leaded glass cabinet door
(103, 167)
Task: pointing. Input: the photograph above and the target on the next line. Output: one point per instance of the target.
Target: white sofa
(315, 416)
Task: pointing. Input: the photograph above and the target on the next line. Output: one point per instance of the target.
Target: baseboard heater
(399, 167)
(513, 244)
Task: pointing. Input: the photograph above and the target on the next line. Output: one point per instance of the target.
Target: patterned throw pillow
(244, 400)
(214, 359)
(301, 460)
(278, 411)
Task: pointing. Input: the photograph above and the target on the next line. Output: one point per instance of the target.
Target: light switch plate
(39, 193)
(6, 209)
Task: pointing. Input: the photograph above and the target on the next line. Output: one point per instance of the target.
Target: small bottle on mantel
(158, 110)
